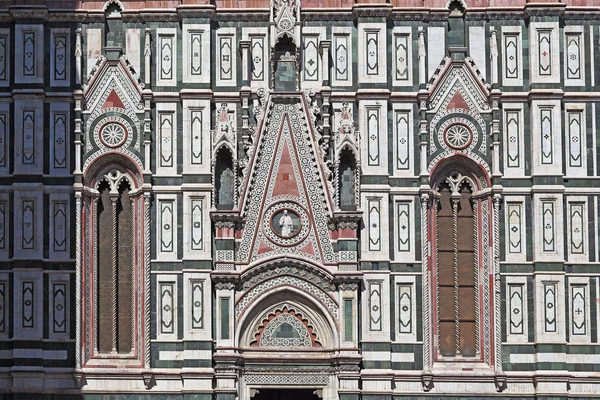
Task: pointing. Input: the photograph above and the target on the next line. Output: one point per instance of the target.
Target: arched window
(460, 238)
(114, 257)
(456, 268)
(115, 233)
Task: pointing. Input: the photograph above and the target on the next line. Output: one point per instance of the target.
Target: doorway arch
(287, 336)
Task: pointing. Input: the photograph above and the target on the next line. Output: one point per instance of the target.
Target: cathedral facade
(299, 199)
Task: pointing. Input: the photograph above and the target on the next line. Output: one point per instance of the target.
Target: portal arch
(287, 299)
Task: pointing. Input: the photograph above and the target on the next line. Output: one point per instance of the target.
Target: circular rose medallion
(458, 136)
(286, 223)
(113, 134)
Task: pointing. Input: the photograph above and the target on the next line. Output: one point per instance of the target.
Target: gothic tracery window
(456, 268)
(460, 261)
(114, 265)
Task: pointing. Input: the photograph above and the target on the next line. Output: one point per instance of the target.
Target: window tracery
(460, 220)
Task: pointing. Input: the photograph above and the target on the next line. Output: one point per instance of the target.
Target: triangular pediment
(458, 85)
(113, 86)
(286, 205)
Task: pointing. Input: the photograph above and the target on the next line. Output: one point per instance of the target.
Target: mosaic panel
(197, 302)
(404, 221)
(165, 56)
(60, 49)
(29, 53)
(405, 322)
(548, 235)
(550, 306)
(166, 308)
(511, 53)
(373, 136)
(341, 57)
(374, 224)
(166, 139)
(546, 135)
(227, 58)
(196, 137)
(28, 304)
(573, 55)
(574, 121)
(515, 234)
(375, 322)
(403, 140)
(577, 224)
(544, 52)
(59, 310)
(372, 52)
(578, 310)
(311, 58)
(197, 225)
(513, 148)
(28, 148)
(516, 310)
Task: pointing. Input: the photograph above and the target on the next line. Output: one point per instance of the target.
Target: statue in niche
(285, 223)
(347, 189)
(226, 187)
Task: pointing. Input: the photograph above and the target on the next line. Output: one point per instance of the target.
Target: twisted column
(497, 325)
(147, 280)
(114, 199)
(425, 284)
(476, 270)
(132, 202)
(93, 233)
(455, 276)
(77, 280)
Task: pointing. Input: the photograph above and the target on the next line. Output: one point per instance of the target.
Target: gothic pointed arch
(460, 218)
(286, 318)
(307, 278)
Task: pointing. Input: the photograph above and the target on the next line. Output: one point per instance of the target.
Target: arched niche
(114, 269)
(285, 65)
(460, 216)
(224, 179)
(113, 23)
(347, 179)
(114, 231)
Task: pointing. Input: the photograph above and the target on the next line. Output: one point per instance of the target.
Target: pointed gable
(286, 205)
(113, 86)
(457, 85)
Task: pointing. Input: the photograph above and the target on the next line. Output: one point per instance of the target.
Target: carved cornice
(372, 10)
(29, 12)
(225, 216)
(196, 11)
(350, 280)
(345, 220)
(326, 14)
(261, 15)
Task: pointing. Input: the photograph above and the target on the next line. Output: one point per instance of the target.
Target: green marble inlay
(225, 318)
(348, 320)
